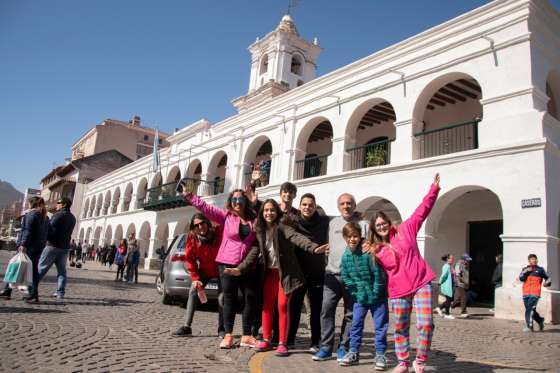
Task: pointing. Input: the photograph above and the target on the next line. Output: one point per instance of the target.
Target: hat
(466, 257)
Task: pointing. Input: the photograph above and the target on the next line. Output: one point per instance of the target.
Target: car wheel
(166, 298)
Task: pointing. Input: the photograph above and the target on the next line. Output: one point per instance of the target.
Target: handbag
(19, 271)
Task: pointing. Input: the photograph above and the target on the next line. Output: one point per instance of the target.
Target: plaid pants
(402, 307)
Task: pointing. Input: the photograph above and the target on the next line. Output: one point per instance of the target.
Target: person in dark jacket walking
(532, 276)
(276, 244)
(31, 241)
(58, 243)
(315, 227)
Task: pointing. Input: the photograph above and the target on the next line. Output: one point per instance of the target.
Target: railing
(449, 139)
(165, 196)
(311, 167)
(219, 185)
(370, 155)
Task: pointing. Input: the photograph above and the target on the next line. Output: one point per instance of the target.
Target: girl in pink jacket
(237, 220)
(409, 278)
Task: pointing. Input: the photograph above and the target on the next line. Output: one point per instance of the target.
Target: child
(367, 283)
(532, 277)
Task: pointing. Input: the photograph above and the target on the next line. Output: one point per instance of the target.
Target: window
(296, 65)
(264, 64)
(146, 137)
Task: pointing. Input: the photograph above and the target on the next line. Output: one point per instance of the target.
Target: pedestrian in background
(120, 259)
(111, 255)
(461, 273)
(133, 260)
(446, 286)
(61, 226)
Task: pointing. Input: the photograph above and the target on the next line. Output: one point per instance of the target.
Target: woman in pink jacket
(237, 220)
(409, 278)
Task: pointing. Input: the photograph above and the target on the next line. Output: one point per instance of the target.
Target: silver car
(174, 280)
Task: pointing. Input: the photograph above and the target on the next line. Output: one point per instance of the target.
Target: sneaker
(400, 368)
(541, 325)
(227, 342)
(248, 341)
(351, 358)
(449, 317)
(6, 293)
(340, 354)
(55, 294)
(60, 296)
(439, 311)
(418, 366)
(282, 350)
(183, 331)
(263, 346)
(314, 349)
(491, 310)
(324, 353)
(465, 315)
(527, 329)
(221, 334)
(380, 362)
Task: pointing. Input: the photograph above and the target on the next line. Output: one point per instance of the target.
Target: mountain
(8, 194)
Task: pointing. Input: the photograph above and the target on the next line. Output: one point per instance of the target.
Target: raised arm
(250, 259)
(300, 240)
(212, 212)
(412, 225)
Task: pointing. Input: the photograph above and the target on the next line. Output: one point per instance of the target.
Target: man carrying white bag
(19, 271)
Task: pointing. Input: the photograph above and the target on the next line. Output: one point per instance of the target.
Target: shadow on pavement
(29, 310)
(119, 285)
(92, 302)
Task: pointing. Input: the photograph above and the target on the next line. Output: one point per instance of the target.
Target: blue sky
(66, 65)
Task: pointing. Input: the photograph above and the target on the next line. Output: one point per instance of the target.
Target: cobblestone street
(106, 326)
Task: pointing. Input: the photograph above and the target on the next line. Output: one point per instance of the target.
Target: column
(402, 147)
(335, 162)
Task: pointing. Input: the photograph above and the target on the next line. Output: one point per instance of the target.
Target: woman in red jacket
(201, 249)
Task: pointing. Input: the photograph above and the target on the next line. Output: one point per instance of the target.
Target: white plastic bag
(19, 271)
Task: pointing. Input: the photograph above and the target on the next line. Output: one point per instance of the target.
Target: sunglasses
(199, 225)
(240, 200)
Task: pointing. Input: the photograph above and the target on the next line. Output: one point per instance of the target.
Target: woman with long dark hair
(446, 286)
(238, 235)
(409, 278)
(201, 249)
(276, 244)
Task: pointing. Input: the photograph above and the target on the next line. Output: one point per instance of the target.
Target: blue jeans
(380, 313)
(53, 255)
(531, 311)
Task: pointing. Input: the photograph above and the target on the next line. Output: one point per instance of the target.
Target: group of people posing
(276, 254)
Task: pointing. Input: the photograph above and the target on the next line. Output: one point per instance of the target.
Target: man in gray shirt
(333, 289)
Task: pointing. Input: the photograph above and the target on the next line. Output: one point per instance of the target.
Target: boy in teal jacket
(367, 283)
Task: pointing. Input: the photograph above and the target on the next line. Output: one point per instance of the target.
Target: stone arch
(373, 204)
(88, 235)
(141, 191)
(553, 93)
(467, 219)
(131, 230)
(174, 175)
(446, 116)
(108, 236)
(127, 196)
(258, 154)
(118, 235)
(92, 206)
(313, 147)
(216, 174)
(99, 204)
(369, 133)
(86, 209)
(116, 199)
(81, 235)
(161, 238)
(263, 69)
(97, 236)
(156, 181)
(143, 238)
(181, 227)
(107, 202)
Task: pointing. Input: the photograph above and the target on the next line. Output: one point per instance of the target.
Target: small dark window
(159, 141)
(146, 138)
(296, 65)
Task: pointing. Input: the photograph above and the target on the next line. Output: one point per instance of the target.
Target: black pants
(247, 283)
(120, 270)
(531, 311)
(35, 256)
(446, 305)
(132, 272)
(314, 289)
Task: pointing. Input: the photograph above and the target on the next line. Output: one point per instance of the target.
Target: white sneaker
(491, 310)
(464, 315)
(449, 317)
(439, 311)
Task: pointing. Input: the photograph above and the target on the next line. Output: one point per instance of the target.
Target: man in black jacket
(58, 244)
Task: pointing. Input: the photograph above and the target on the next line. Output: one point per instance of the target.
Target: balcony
(165, 196)
(311, 167)
(449, 139)
(370, 155)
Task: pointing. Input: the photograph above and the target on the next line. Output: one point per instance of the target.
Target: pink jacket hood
(232, 250)
(406, 270)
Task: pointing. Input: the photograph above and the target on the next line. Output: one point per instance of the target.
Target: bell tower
(281, 61)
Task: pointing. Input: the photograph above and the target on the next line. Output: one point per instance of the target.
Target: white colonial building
(476, 99)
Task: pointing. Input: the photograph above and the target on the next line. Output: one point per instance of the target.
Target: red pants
(273, 291)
